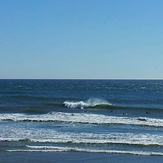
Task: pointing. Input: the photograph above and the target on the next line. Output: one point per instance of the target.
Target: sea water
(94, 116)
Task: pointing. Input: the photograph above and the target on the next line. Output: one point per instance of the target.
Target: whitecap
(92, 102)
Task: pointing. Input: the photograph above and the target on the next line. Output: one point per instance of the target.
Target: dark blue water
(96, 116)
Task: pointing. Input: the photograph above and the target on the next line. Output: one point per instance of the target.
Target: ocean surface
(123, 117)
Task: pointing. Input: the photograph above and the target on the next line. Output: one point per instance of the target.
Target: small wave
(93, 102)
(74, 149)
(86, 139)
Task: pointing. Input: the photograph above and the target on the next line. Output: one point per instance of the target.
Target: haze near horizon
(81, 39)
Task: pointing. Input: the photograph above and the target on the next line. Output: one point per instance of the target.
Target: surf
(124, 140)
(83, 118)
(75, 149)
(90, 103)
(98, 103)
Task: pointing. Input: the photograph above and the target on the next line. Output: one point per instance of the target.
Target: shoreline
(74, 157)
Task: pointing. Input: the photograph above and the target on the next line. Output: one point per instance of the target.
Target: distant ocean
(121, 117)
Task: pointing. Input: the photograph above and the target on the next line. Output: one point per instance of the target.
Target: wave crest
(76, 149)
(93, 102)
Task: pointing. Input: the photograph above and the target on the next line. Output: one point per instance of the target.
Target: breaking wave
(101, 103)
(83, 118)
(90, 103)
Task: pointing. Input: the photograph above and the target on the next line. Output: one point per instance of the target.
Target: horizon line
(80, 79)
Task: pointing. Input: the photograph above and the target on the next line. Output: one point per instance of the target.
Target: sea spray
(92, 102)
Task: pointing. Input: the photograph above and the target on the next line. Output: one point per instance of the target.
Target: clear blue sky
(94, 39)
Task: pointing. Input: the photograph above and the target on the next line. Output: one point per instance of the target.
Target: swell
(28, 97)
(40, 104)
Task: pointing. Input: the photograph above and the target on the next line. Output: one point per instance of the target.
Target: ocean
(121, 118)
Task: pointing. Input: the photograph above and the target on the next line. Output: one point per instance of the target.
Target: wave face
(95, 116)
(90, 103)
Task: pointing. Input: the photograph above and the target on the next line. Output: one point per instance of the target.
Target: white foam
(85, 104)
(16, 132)
(73, 105)
(83, 118)
(52, 136)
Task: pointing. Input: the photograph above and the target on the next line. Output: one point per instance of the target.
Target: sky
(81, 39)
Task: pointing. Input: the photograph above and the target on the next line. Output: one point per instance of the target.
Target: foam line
(68, 149)
(90, 138)
(83, 118)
